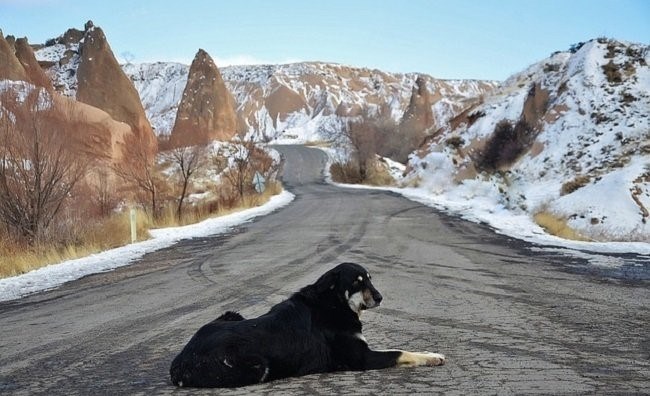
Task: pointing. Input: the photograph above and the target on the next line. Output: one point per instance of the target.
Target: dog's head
(351, 284)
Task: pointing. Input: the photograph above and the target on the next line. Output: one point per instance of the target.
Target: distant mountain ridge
(295, 102)
(276, 100)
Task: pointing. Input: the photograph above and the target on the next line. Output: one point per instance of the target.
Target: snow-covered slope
(64, 60)
(160, 86)
(302, 101)
(580, 153)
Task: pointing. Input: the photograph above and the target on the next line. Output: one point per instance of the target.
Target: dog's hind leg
(245, 370)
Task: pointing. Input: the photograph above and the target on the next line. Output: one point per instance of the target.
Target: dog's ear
(327, 281)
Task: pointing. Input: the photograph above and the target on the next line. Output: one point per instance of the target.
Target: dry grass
(345, 172)
(379, 175)
(575, 184)
(557, 226)
(16, 258)
(318, 143)
(215, 208)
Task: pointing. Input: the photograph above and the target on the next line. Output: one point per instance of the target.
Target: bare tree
(363, 139)
(38, 165)
(188, 160)
(138, 170)
(240, 170)
(102, 191)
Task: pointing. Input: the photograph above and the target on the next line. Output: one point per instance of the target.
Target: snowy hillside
(160, 86)
(295, 103)
(64, 59)
(301, 101)
(577, 151)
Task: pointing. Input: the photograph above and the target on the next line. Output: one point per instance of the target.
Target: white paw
(434, 359)
(414, 359)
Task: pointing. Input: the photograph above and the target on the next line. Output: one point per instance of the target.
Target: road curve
(510, 319)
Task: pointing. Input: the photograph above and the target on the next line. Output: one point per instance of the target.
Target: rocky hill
(306, 101)
(565, 141)
(294, 102)
(99, 133)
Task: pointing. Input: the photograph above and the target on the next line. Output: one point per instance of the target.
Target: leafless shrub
(397, 141)
(139, 172)
(612, 72)
(246, 159)
(573, 185)
(505, 145)
(187, 161)
(362, 136)
(472, 117)
(39, 167)
(346, 172)
(102, 191)
(455, 142)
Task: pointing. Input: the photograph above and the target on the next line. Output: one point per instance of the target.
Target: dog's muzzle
(371, 299)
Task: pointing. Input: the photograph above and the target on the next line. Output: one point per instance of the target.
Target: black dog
(316, 330)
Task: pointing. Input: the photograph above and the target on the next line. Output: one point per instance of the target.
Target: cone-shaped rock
(10, 67)
(103, 84)
(418, 115)
(207, 109)
(34, 72)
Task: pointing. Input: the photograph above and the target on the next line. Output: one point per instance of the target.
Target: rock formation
(34, 73)
(103, 84)
(10, 67)
(207, 109)
(418, 115)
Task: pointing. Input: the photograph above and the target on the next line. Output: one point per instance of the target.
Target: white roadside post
(134, 235)
(258, 182)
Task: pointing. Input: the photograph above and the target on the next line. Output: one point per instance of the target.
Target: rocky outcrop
(283, 101)
(34, 73)
(103, 84)
(10, 67)
(97, 134)
(418, 115)
(207, 109)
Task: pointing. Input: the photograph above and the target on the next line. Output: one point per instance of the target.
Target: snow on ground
(57, 274)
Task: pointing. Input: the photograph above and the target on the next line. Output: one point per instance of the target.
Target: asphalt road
(511, 319)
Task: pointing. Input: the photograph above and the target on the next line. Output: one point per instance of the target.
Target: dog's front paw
(434, 359)
(414, 359)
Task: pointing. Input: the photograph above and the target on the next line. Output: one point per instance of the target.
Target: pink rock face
(103, 84)
(34, 73)
(207, 109)
(10, 67)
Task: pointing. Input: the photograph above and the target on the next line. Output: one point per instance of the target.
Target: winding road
(511, 318)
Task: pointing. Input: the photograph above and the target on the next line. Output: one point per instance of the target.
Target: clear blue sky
(486, 39)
